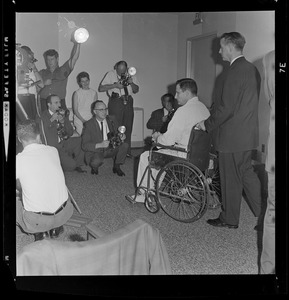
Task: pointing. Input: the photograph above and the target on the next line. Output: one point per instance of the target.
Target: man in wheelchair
(190, 112)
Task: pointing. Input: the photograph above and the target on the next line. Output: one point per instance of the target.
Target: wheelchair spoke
(181, 191)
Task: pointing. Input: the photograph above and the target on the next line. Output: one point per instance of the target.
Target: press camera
(63, 112)
(23, 59)
(117, 139)
(125, 77)
(61, 131)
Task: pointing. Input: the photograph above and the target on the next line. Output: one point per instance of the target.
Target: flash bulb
(81, 35)
(132, 71)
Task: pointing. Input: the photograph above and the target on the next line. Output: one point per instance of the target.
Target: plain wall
(150, 45)
(98, 54)
(259, 31)
(39, 32)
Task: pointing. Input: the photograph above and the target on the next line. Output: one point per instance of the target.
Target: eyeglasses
(102, 109)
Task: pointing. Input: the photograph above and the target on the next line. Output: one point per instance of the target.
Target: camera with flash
(125, 77)
(61, 131)
(117, 139)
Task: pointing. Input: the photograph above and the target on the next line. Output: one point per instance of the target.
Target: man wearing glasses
(96, 144)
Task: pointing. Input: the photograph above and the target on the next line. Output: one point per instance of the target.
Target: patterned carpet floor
(193, 248)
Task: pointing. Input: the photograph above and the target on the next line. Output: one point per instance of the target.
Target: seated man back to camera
(45, 206)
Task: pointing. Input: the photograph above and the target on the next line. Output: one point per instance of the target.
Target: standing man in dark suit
(161, 117)
(95, 140)
(236, 118)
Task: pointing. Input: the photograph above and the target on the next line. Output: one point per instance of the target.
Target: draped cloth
(136, 249)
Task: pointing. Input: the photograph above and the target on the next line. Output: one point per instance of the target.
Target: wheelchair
(184, 187)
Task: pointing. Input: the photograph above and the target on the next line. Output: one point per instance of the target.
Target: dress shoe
(219, 223)
(94, 171)
(55, 232)
(41, 236)
(118, 171)
(80, 170)
(258, 227)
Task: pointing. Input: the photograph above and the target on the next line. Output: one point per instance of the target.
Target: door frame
(190, 50)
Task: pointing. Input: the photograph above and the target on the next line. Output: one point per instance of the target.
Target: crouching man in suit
(95, 142)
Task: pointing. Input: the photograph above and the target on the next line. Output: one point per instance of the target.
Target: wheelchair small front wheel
(151, 203)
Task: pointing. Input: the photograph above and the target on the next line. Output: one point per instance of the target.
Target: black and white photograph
(143, 143)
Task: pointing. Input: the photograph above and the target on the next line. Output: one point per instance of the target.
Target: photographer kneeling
(42, 202)
(101, 139)
(57, 131)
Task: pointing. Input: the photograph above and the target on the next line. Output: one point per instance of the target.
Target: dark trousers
(124, 115)
(70, 153)
(44, 105)
(237, 175)
(95, 159)
(28, 103)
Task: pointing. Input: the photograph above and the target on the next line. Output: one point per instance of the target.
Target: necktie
(125, 90)
(102, 129)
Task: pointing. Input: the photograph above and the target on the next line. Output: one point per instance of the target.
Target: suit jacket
(91, 133)
(49, 129)
(135, 249)
(236, 116)
(155, 122)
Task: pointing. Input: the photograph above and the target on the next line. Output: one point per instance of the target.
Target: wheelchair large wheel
(213, 179)
(181, 190)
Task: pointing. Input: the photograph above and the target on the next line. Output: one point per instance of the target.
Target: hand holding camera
(126, 78)
(62, 113)
(118, 85)
(54, 117)
(105, 144)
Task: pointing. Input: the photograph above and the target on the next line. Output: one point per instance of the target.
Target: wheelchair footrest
(130, 199)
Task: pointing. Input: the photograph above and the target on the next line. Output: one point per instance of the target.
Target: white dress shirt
(105, 128)
(185, 117)
(41, 177)
(235, 59)
(178, 133)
